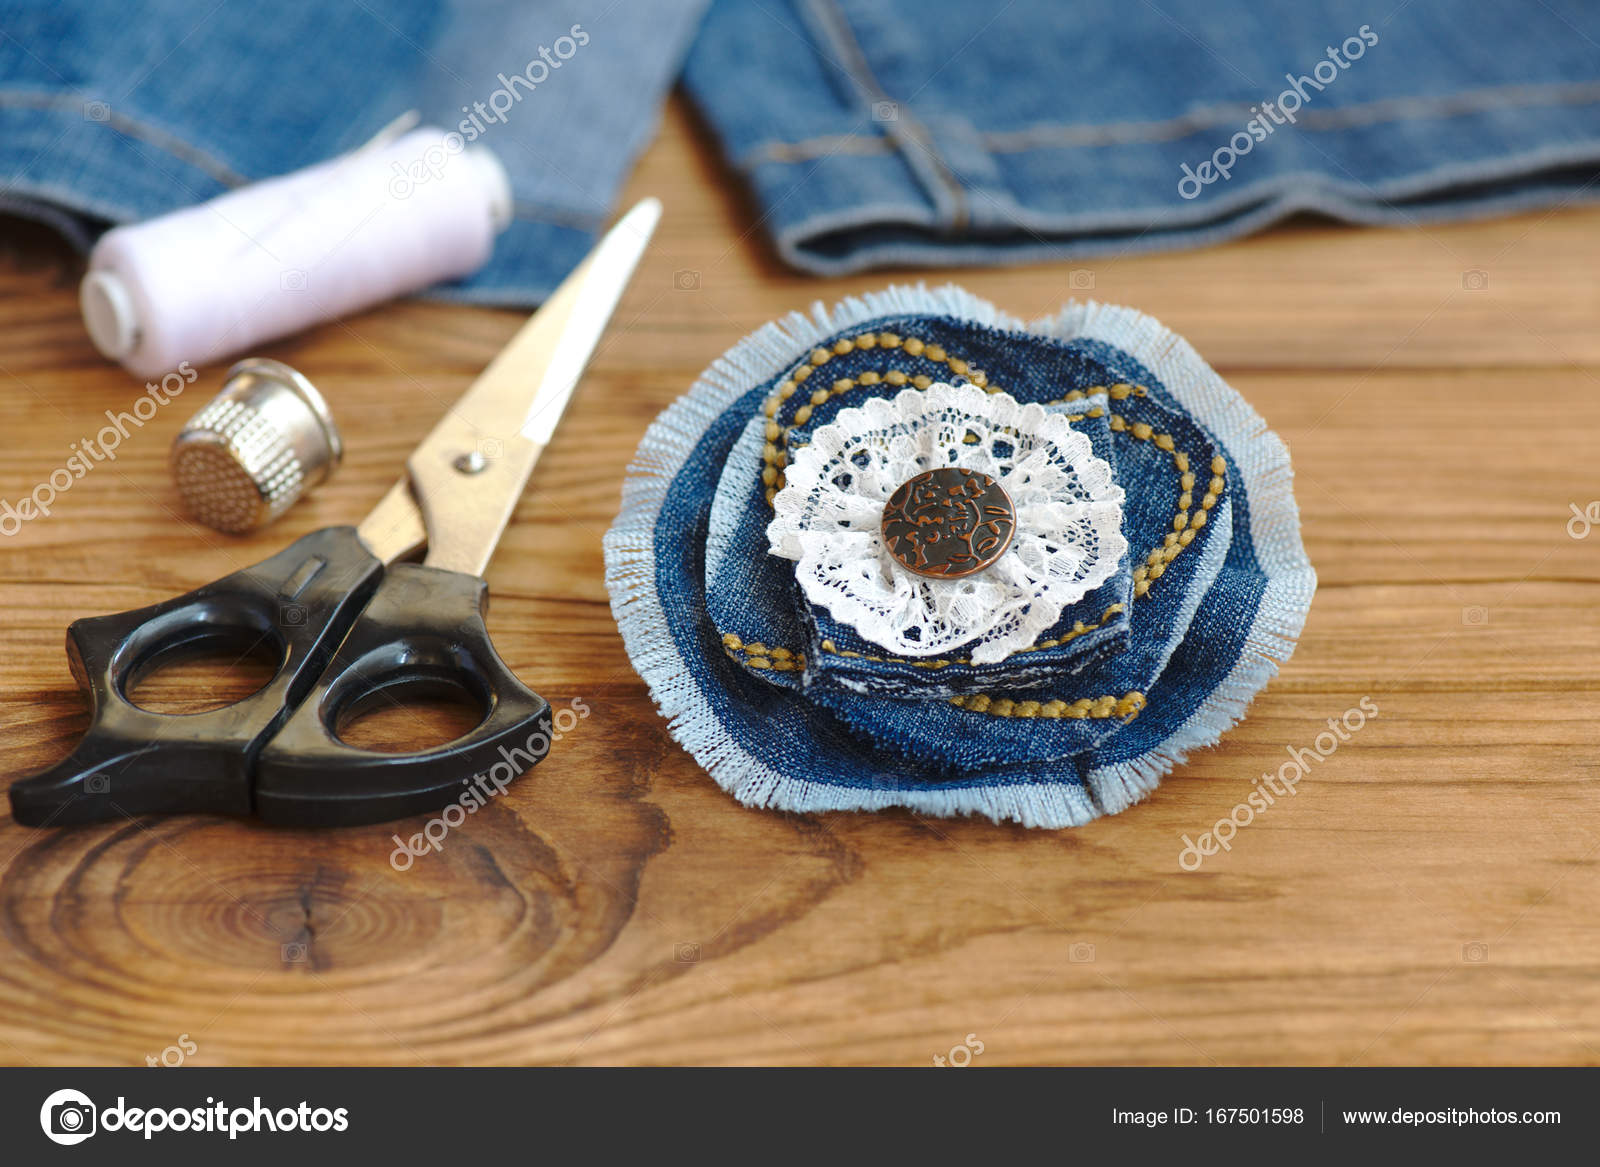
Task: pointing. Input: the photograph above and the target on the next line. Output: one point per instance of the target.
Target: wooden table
(1428, 896)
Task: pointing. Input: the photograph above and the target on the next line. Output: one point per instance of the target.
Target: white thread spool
(280, 255)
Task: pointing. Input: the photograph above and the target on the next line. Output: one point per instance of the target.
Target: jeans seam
(905, 133)
(220, 171)
(130, 127)
(1068, 136)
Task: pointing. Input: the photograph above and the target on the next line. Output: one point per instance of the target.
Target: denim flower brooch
(911, 552)
(945, 517)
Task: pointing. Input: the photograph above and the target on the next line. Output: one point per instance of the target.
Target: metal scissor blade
(583, 306)
(465, 477)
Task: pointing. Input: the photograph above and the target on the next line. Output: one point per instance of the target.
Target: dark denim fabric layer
(952, 738)
(752, 595)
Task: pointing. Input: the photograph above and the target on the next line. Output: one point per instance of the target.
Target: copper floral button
(948, 523)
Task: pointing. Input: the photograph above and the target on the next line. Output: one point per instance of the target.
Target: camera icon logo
(686, 280)
(67, 1117)
(1081, 279)
(886, 111)
(292, 280)
(291, 615)
(686, 953)
(1475, 280)
(96, 111)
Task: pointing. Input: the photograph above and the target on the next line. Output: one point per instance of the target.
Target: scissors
(366, 627)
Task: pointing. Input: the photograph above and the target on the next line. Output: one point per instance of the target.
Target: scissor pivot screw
(473, 463)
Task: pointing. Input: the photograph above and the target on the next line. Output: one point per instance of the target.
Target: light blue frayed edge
(1263, 463)
(1260, 456)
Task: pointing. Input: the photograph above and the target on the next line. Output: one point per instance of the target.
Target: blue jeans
(872, 132)
(111, 112)
(923, 132)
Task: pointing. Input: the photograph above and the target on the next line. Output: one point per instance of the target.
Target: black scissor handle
(298, 604)
(422, 630)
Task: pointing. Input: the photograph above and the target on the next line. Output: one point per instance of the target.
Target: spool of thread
(281, 255)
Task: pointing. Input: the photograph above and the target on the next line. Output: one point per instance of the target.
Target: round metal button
(948, 523)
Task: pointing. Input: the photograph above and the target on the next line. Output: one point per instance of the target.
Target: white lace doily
(829, 515)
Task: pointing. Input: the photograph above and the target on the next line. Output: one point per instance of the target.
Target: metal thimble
(261, 443)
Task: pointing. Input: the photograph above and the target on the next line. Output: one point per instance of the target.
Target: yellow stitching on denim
(1121, 391)
(775, 455)
(1126, 707)
(1079, 628)
(1155, 565)
(759, 656)
(1183, 524)
(1182, 534)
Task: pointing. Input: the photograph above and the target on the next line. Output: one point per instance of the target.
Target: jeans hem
(893, 224)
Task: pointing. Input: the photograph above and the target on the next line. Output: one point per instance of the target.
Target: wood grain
(618, 907)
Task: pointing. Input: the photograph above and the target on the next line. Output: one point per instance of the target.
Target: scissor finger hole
(411, 714)
(212, 671)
